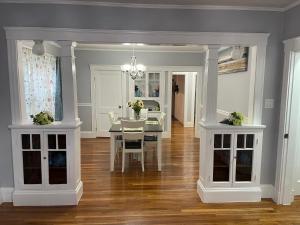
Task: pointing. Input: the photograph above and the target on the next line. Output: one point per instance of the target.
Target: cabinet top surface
(54, 125)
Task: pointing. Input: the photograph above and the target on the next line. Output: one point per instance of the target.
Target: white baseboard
(188, 124)
(267, 191)
(47, 198)
(6, 194)
(226, 195)
(166, 134)
(87, 134)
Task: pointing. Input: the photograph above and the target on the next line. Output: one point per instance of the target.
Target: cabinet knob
(44, 157)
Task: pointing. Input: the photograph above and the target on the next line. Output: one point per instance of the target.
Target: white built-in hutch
(46, 158)
(150, 89)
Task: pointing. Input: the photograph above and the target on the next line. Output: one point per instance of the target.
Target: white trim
(144, 48)
(188, 124)
(87, 134)
(225, 195)
(48, 198)
(292, 5)
(131, 36)
(87, 104)
(151, 6)
(267, 191)
(6, 194)
(285, 153)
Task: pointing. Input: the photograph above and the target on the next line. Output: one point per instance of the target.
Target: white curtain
(39, 82)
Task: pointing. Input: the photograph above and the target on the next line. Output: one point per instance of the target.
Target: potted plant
(234, 119)
(136, 105)
(42, 118)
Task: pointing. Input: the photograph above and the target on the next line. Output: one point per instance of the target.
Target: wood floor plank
(152, 197)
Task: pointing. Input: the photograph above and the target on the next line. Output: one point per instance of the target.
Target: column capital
(67, 48)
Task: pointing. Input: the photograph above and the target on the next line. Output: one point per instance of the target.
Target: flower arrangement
(42, 118)
(235, 119)
(136, 105)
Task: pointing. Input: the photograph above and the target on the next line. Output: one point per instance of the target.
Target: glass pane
(240, 141)
(244, 165)
(218, 141)
(36, 141)
(32, 167)
(221, 165)
(227, 141)
(61, 141)
(51, 141)
(25, 141)
(140, 87)
(57, 167)
(249, 140)
(154, 85)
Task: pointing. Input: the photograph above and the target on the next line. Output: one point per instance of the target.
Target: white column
(210, 85)
(69, 85)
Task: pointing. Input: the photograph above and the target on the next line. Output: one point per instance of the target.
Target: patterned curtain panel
(40, 83)
(58, 94)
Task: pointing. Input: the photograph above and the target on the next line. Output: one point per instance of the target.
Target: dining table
(151, 128)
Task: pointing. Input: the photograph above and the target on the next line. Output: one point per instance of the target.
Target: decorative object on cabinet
(234, 119)
(136, 105)
(42, 118)
(133, 69)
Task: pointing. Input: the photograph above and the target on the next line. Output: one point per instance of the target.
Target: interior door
(108, 98)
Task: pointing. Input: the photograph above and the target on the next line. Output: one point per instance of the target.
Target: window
(42, 84)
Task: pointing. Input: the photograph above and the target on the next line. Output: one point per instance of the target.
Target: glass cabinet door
(31, 155)
(154, 84)
(244, 157)
(57, 158)
(222, 158)
(140, 87)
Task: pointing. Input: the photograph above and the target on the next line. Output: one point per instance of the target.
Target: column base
(48, 197)
(228, 194)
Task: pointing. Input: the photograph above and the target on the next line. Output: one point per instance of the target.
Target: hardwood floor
(167, 197)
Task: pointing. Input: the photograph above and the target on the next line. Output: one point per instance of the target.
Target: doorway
(184, 98)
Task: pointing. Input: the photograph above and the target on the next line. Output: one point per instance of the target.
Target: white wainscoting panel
(6, 194)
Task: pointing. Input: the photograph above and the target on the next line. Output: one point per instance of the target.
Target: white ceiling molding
(154, 6)
(293, 5)
(144, 48)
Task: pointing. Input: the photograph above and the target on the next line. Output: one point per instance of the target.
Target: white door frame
(286, 152)
(187, 123)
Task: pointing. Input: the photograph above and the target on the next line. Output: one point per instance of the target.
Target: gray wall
(291, 23)
(84, 58)
(147, 19)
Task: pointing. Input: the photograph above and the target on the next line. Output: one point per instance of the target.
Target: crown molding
(291, 6)
(150, 6)
(150, 49)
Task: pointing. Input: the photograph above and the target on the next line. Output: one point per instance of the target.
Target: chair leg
(123, 160)
(142, 161)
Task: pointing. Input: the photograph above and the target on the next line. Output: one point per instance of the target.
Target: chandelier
(133, 70)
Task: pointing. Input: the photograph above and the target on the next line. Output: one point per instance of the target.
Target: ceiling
(191, 4)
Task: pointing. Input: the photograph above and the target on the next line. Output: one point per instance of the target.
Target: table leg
(112, 151)
(159, 154)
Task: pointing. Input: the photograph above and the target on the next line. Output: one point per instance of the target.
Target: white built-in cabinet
(149, 87)
(46, 165)
(230, 162)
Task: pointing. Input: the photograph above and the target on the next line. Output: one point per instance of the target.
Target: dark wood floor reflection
(167, 197)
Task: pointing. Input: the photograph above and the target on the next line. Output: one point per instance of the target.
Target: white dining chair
(133, 139)
(144, 114)
(113, 118)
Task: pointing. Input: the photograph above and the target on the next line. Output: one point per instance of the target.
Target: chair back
(133, 129)
(144, 114)
(112, 117)
(162, 119)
